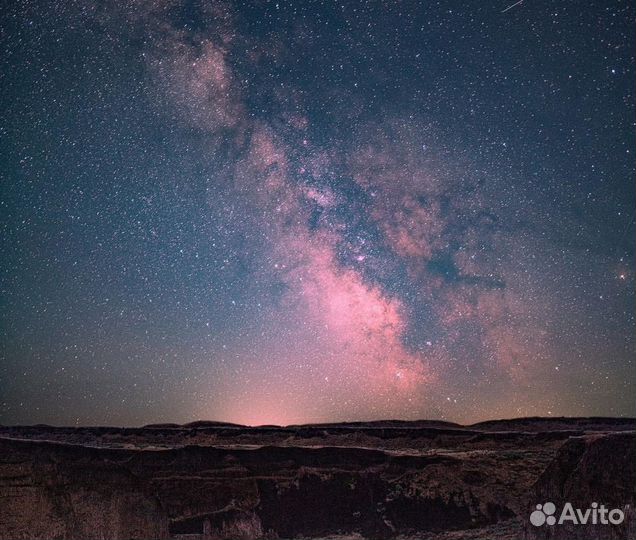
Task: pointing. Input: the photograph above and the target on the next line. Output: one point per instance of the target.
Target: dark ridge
(529, 424)
(540, 423)
(167, 425)
(210, 424)
(383, 424)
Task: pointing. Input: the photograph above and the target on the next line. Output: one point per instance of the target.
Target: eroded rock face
(222, 524)
(597, 469)
(56, 491)
(422, 481)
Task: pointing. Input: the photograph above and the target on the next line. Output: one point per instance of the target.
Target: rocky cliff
(306, 481)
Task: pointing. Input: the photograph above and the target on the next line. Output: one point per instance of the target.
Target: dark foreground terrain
(425, 480)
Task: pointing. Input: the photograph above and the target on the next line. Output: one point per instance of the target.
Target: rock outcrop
(408, 481)
(595, 469)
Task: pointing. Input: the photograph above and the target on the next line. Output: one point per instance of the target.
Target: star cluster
(290, 212)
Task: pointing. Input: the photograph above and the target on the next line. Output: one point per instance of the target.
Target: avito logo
(595, 515)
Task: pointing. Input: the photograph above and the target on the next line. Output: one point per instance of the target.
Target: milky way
(270, 212)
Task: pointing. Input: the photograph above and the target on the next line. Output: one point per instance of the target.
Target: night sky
(292, 212)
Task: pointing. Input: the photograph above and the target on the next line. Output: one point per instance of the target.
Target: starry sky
(312, 211)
